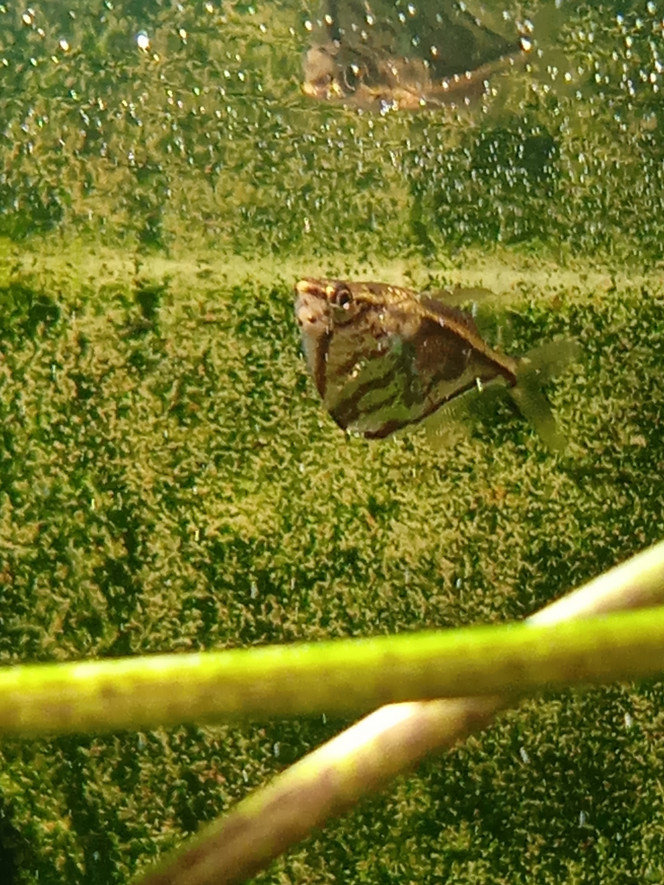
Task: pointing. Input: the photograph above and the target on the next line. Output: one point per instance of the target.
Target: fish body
(369, 81)
(383, 357)
(370, 57)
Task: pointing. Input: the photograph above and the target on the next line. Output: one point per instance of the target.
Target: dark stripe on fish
(394, 424)
(320, 369)
(349, 411)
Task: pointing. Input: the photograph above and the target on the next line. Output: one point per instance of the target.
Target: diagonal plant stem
(371, 753)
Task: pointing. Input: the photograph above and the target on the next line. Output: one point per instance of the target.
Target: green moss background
(169, 480)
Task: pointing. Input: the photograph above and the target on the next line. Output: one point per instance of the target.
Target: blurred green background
(170, 481)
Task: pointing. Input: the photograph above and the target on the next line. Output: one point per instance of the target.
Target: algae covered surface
(169, 480)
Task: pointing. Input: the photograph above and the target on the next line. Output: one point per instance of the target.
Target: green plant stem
(308, 679)
(370, 754)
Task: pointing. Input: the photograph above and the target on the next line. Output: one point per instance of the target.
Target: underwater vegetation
(170, 482)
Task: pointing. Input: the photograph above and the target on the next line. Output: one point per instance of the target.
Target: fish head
(322, 305)
(346, 326)
(364, 78)
(328, 77)
(370, 309)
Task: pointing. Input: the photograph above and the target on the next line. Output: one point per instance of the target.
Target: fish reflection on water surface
(375, 56)
(383, 357)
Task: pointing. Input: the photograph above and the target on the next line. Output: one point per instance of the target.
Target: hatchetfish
(376, 58)
(383, 357)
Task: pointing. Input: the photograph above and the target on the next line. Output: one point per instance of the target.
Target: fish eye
(351, 76)
(341, 297)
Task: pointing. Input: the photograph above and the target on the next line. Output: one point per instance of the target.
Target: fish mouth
(313, 317)
(310, 303)
(323, 90)
(309, 286)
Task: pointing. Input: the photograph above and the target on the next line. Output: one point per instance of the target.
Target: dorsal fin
(445, 311)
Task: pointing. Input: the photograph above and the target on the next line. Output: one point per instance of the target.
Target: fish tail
(533, 371)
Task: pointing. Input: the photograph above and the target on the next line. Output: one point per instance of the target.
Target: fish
(367, 81)
(375, 59)
(384, 357)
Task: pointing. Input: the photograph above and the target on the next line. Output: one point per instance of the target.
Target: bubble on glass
(143, 41)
